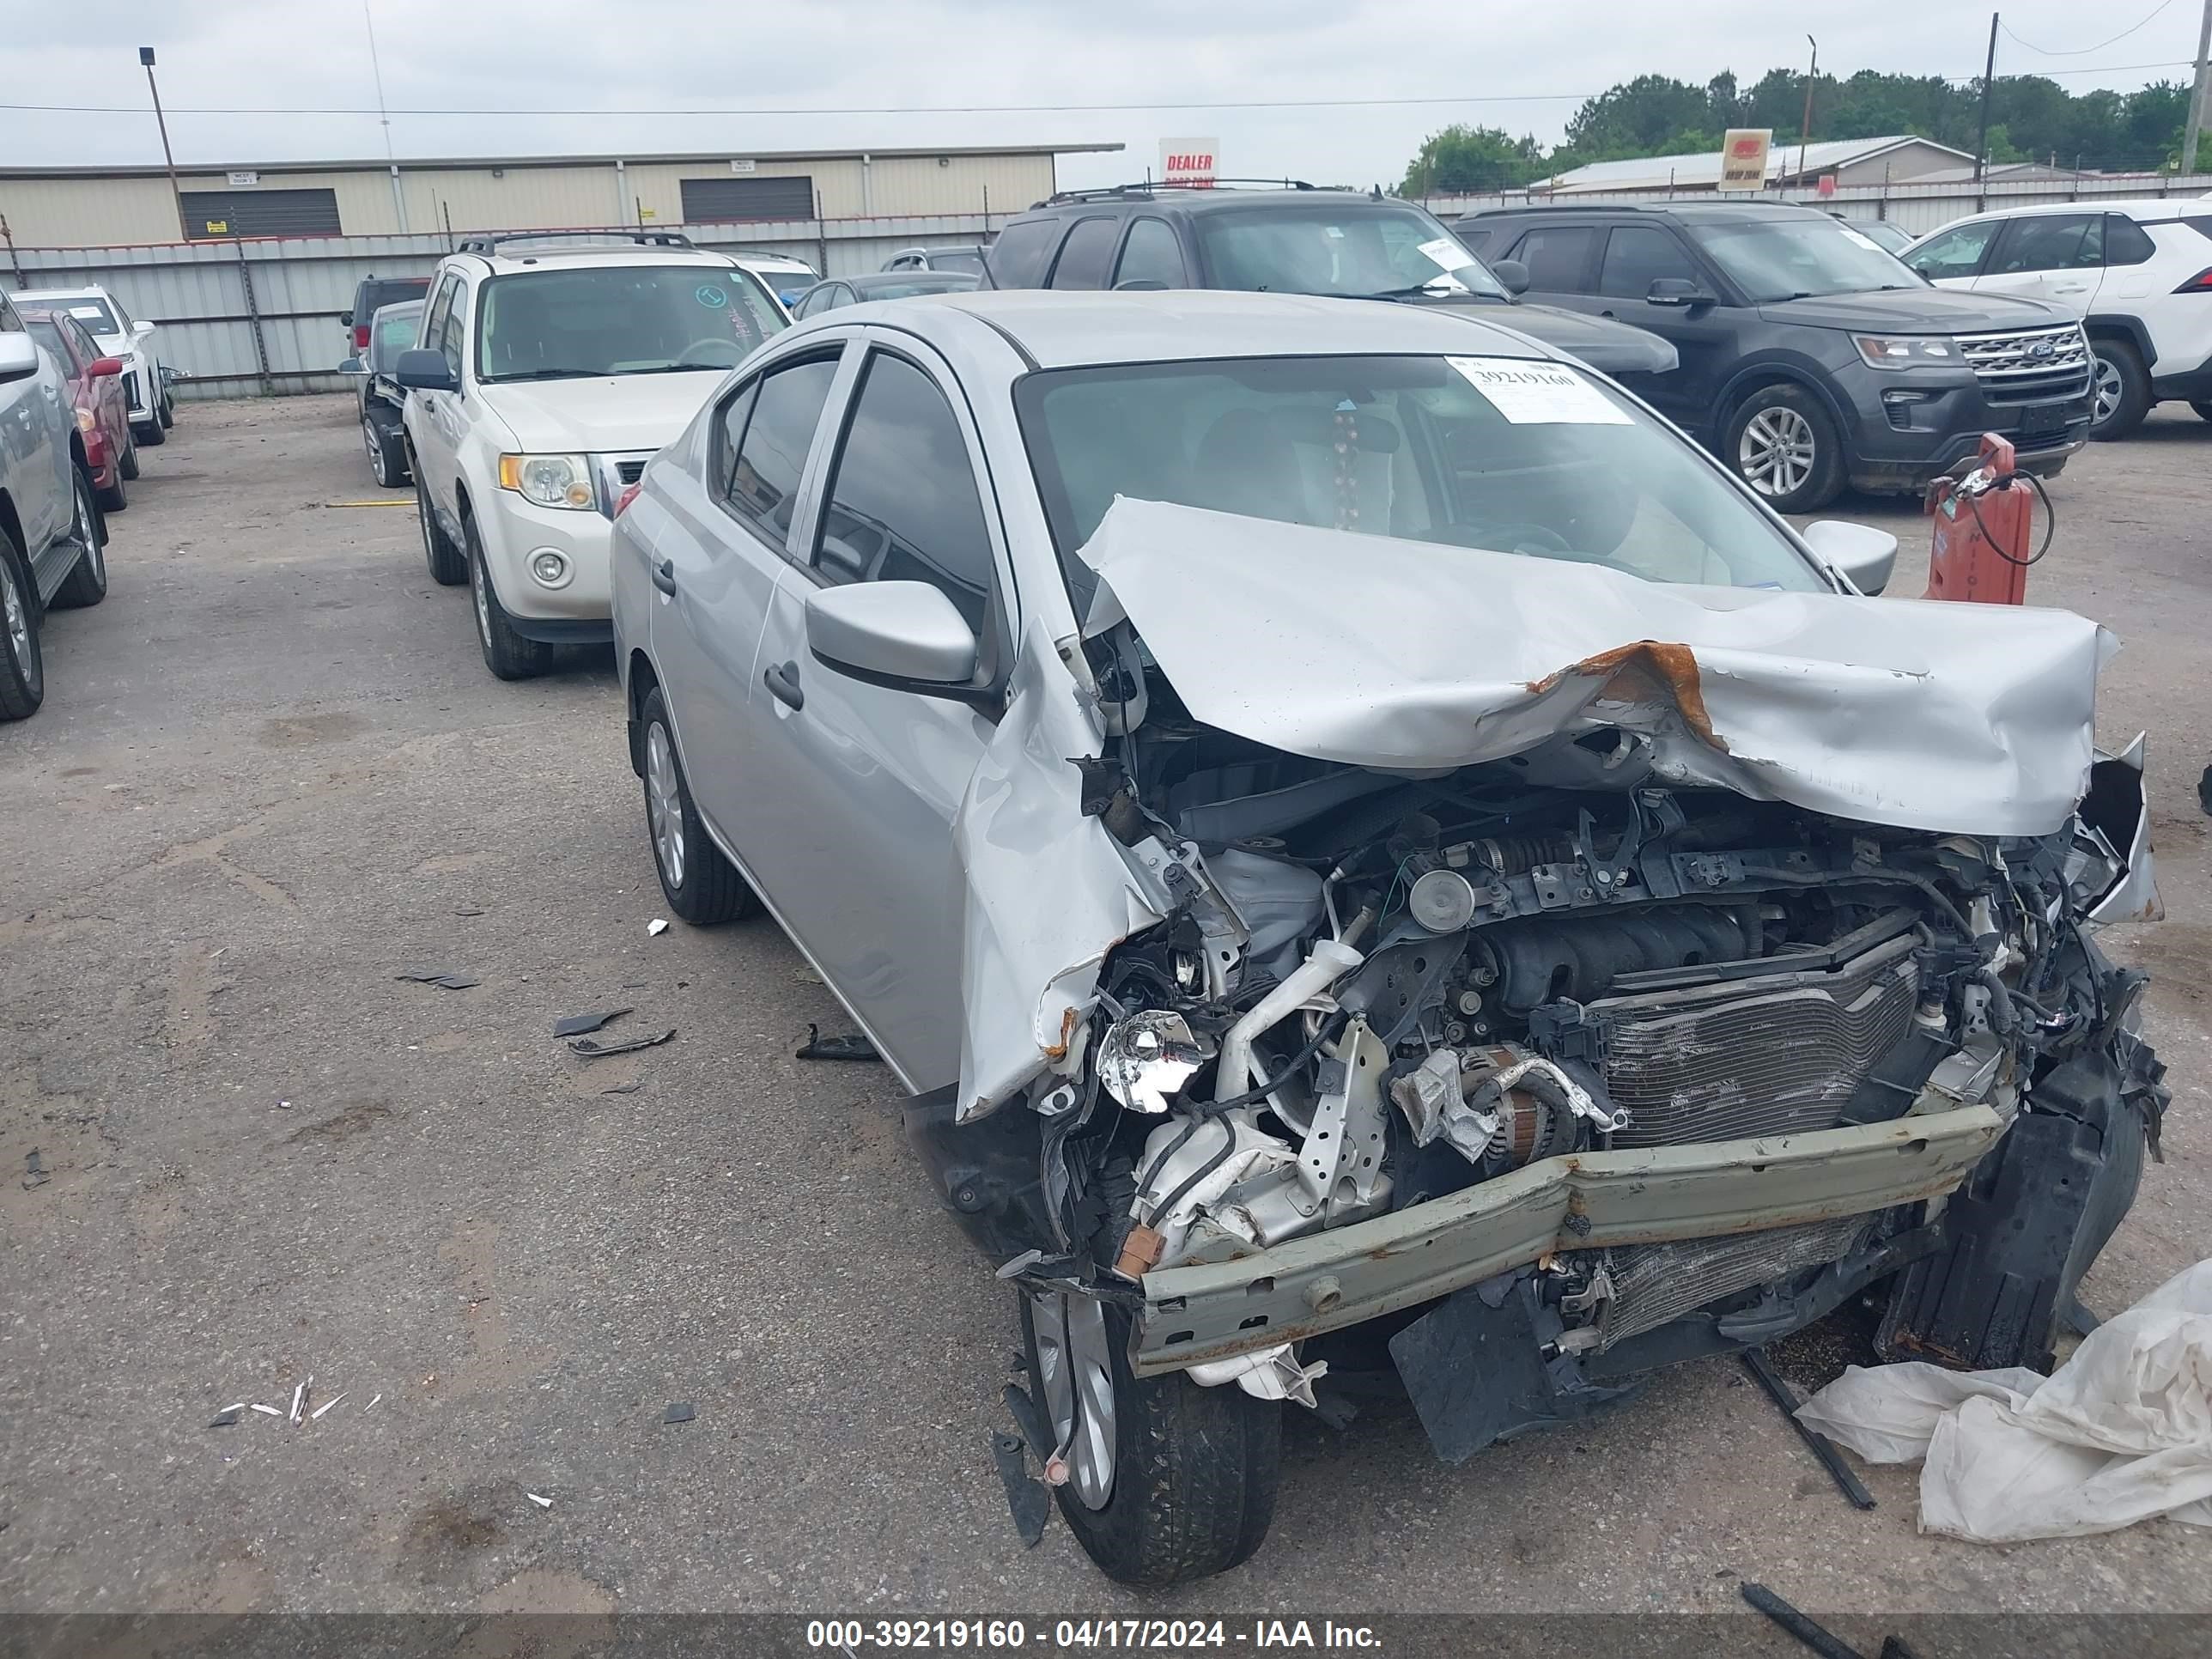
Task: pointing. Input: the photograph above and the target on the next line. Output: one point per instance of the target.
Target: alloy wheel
(375, 451)
(2110, 387)
(480, 585)
(87, 531)
(1076, 1369)
(663, 803)
(1776, 454)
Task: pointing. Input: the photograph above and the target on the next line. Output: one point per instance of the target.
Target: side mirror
(904, 634)
(1860, 552)
(1512, 275)
(139, 330)
(19, 356)
(425, 370)
(103, 368)
(1676, 291)
(345, 319)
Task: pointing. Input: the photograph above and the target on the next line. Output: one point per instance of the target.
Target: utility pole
(2201, 97)
(1805, 123)
(1988, 83)
(146, 56)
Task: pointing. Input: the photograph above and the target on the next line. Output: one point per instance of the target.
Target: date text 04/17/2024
(1154, 1635)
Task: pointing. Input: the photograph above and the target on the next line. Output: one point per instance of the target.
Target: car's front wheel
(131, 456)
(510, 655)
(87, 581)
(701, 885)
(2120, 389)
(166, 416)
(1783, 444)
(22, 668)
(1167, 1482)
(449, 566)
(153, 434)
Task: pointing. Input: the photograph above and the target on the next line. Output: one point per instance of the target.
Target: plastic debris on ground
(679, 1411)
(2120, 1432)
(818, 1047)
(592, 1050)
(578, 1024)
(35, 1173)
(1027, 1499)
(316, 1415)
(438, 977)
(657, 926)
(227, 1417)
(542, 1503)
(629, 1088)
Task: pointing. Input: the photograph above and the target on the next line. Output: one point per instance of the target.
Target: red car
(103, 413)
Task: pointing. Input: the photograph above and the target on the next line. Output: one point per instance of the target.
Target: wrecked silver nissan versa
(1405, 859)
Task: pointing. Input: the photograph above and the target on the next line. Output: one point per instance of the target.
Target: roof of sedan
(1066, 330)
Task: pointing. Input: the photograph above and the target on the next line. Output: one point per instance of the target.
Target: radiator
(1776, 1054)
(1652, 1283)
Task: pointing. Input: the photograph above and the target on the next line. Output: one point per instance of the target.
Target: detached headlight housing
(549, 480)
(1908, 350)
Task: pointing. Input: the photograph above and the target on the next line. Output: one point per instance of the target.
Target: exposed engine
(1373, 991)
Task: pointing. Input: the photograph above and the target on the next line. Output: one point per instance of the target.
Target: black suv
(1810, 356)
(1286, 238)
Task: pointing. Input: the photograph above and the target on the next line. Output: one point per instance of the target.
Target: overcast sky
(1523, 68)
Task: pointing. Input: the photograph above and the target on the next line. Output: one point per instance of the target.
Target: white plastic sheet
(2119, 1433)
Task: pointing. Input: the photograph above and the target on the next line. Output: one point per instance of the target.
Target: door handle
(664, 577)
(782, 678)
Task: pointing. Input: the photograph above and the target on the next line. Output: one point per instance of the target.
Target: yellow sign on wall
(218, 226)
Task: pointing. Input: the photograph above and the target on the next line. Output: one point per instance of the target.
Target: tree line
(2031, 117)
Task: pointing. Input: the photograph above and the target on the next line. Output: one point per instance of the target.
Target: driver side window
(1954, 253)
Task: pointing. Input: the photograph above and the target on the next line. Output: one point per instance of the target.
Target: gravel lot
(273, 774)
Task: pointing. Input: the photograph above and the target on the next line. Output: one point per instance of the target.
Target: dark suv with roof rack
(1810, 356)
(1287, 237)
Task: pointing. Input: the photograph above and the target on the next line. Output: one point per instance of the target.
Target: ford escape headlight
(549, 480)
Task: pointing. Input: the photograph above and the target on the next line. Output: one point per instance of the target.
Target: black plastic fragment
(2081, 1320)
(225, 1419)
(1027, 1499)
(679, 1411)
(35, 1174)
(818, 1047)
(1028, 1419)
(577, 1024)
(629, 1088)
(1817, 1636)
(1847, 1482)
(592, 1050)
(438, 977)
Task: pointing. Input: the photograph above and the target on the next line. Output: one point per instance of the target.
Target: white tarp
(1378, 651)
(2119, 1433)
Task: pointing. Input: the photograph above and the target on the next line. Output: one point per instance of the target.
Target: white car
(787, 278)
(2139, 273)
(118, 334)
(551, 367)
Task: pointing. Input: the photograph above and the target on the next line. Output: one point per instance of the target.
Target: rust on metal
(1650, 671)
(1069, 1019)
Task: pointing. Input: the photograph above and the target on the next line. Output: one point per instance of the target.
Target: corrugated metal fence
(1917, 208)
(260, 316)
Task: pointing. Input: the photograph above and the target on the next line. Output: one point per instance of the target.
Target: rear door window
(1636, 256)
(1557, 256)
(1084, 256)
(763, 484)
(1153, 253)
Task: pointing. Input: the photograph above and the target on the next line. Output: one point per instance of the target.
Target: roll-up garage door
(218, 215)
(719, 201)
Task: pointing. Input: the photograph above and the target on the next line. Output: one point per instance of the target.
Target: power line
(2083, 52)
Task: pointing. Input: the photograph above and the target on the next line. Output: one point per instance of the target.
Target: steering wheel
(711, 346)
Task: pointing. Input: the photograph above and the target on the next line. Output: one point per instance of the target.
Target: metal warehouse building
(107, 207)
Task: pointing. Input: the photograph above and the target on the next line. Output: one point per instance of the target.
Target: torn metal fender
(1380, 652)
(1049, 890)
(1208, 1310)
(2117, 808)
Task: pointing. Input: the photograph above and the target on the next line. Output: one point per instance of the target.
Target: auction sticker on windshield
(1530, 394)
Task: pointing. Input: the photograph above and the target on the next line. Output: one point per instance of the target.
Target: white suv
(2140, 274)
(118, 334)
(550, 368)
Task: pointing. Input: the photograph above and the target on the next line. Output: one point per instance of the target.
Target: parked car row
(83, 388)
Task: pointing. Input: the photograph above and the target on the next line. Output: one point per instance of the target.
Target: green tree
(1463, 160)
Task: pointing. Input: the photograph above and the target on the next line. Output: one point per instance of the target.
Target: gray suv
(1810, 357)
(51, 530)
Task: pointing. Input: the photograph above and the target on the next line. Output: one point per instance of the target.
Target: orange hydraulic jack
(1983, 519)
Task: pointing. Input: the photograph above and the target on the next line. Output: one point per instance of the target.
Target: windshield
(1509, 454)
(1353, 246)
(1798, 258)
(620, 320)
(92, 312)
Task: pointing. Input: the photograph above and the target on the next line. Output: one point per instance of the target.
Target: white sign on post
(1188, 161)
(1743, 157)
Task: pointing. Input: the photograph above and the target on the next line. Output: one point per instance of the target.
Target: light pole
(146, 56)
(1805, 124)
(2199, 97)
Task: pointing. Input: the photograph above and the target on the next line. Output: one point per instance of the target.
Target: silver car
(1371, 850)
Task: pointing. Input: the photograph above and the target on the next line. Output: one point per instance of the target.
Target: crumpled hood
(603, 414)
(1373, 651)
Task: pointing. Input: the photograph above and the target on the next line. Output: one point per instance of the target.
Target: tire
(704, 887)
(153, 435)
(22, 668)
(166, 416)
(505, 653)
(387, 457)
(2120, 389)
(87, 581)
(2203, 408)
(131, 456)
(1782, 443)
(449, 566)
(1191, 1489)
